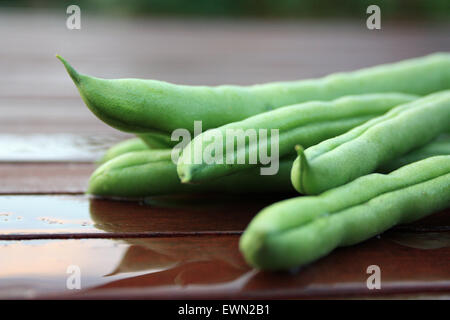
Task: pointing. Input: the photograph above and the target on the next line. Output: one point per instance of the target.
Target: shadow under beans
(178, 214)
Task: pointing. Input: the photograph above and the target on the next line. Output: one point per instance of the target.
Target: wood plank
(179, 214)
(212, 267)
(58, 147)
(43, 216)
(208, 213)
(34, 115)
(195, 51)
(44, 178)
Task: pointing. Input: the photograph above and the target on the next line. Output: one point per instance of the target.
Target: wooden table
(175, 247)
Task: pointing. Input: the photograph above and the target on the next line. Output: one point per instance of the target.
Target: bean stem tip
(72, 72)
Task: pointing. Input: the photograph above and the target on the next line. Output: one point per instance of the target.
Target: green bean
(144, 141)
(300, 230)
(440, 146)
(134, 144)
(152, 172)
(156, 140)
(363, 149)
(149, 173)
(140, 106)
(306, 123)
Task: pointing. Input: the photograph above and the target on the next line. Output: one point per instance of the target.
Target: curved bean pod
(307, 124)
(143, 142)
(300, 230)
(363, 149)
(438, 147)
(136, 175)
(156, 140)
(152, 172)
(126, 146)
(139, 106)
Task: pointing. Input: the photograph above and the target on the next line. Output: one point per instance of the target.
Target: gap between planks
(116, 235)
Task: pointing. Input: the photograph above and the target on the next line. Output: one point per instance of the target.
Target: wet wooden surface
(175, 247)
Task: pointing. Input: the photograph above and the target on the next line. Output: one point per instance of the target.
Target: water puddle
(41, 267)
(416, 240)
(26, 214)
(44, 214)
(54, 147)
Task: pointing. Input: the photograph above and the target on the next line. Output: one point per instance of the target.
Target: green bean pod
(126, 146)
(362, 150)
(137, 174)
(156, 140)
(140, 106)
(142, 142)
(300, 230)
(149, 173)
(306, 123)
(438, 147)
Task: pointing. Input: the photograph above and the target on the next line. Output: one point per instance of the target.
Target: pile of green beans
(156, 140)
(141, 106)
(132, 171)
(306, 123)
(300, 230)
(363, 149)
(130, 145)
(140, 174)
(392, 119)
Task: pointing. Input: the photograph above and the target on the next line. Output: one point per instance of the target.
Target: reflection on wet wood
(76, 216)
(212, 267)
(218, 273)
(440, 221)
(191, 213)
(25, 217)
(422, 240)
(62, 147)
(34, 215)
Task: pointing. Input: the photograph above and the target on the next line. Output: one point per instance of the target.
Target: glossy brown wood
(48, 115)
(76, 216)
(44, 178)
(212, 267)
(178, 214)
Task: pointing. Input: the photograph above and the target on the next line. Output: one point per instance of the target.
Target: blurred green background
(291, 9)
